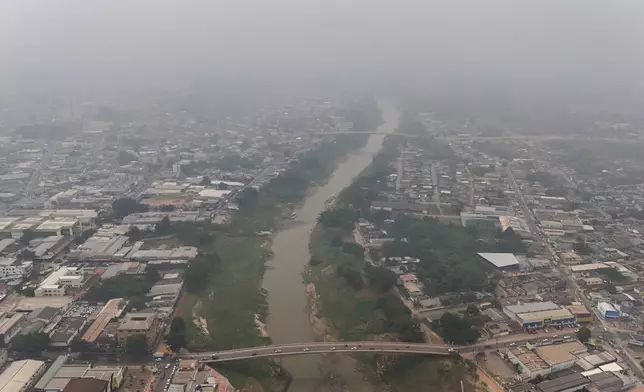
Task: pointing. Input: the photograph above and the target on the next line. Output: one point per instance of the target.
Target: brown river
(288, 321)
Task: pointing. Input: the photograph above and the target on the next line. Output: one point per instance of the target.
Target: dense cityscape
(321, 196)
(122, 253)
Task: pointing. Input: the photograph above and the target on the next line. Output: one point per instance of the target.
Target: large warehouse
(21, 375)
(607, 311)
(500, 261)
(546, 318)
(513, 310)
(539, 314)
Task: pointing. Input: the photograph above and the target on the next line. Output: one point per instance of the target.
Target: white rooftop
(500, 259)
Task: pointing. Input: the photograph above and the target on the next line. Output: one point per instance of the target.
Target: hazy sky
(94, 43)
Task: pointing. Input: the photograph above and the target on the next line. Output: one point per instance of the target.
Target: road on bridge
(319, 348)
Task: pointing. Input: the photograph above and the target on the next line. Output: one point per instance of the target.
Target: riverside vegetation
(358, 301)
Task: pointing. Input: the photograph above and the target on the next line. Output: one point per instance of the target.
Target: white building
(607, 311)
(11, 267)
(57, 282)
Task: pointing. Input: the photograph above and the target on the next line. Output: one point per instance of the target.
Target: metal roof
(500, 260)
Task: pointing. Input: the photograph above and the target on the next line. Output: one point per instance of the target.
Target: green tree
(248, 198)
(582, 248)
(472, 310)
(351, 276)
(583, 334)
(177, 337)
(29, 292)
(27, 254)
(78, 345)
(338, 218)
(32, 343)
(136, 345)
(125, 157)
(27, 236)
(455, 329)
(152, 274)
(134, 234)
(126, 206)
(164, 226)
(197, 274)
(353, 249)
(380, 279)
(205, 181)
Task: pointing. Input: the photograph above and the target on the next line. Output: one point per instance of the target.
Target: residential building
(543, 360)
(142, 323)
(10, 325)
(11, 267)
(581, 313)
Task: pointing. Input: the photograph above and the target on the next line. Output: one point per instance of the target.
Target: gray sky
(542, 44)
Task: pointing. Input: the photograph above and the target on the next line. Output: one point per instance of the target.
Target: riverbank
(289, 320)
(233, 302)
(357, 301)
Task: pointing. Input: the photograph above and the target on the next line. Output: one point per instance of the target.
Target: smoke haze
(535, 45)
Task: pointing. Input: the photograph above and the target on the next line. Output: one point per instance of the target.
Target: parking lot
(82, 309)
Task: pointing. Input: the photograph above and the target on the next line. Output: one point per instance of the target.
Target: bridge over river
(281, 350)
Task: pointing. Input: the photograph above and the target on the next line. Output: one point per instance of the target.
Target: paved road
(44, 162)
(605, 329)
(319, 348)
(363, 346)
(492, 138)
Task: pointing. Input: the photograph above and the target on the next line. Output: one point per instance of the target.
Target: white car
(305, 349)
(278, 351)
(354, 348)
(332, 348)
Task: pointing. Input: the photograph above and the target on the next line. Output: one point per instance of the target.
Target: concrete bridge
(281, 350)
(490, 138)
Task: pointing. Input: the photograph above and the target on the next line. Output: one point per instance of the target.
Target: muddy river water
(288, 321)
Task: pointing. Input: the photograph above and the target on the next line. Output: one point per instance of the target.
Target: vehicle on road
(354, 348)
(278, 351)
(214, 357)
(254, 354)
(332, 348)
(305, 349)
